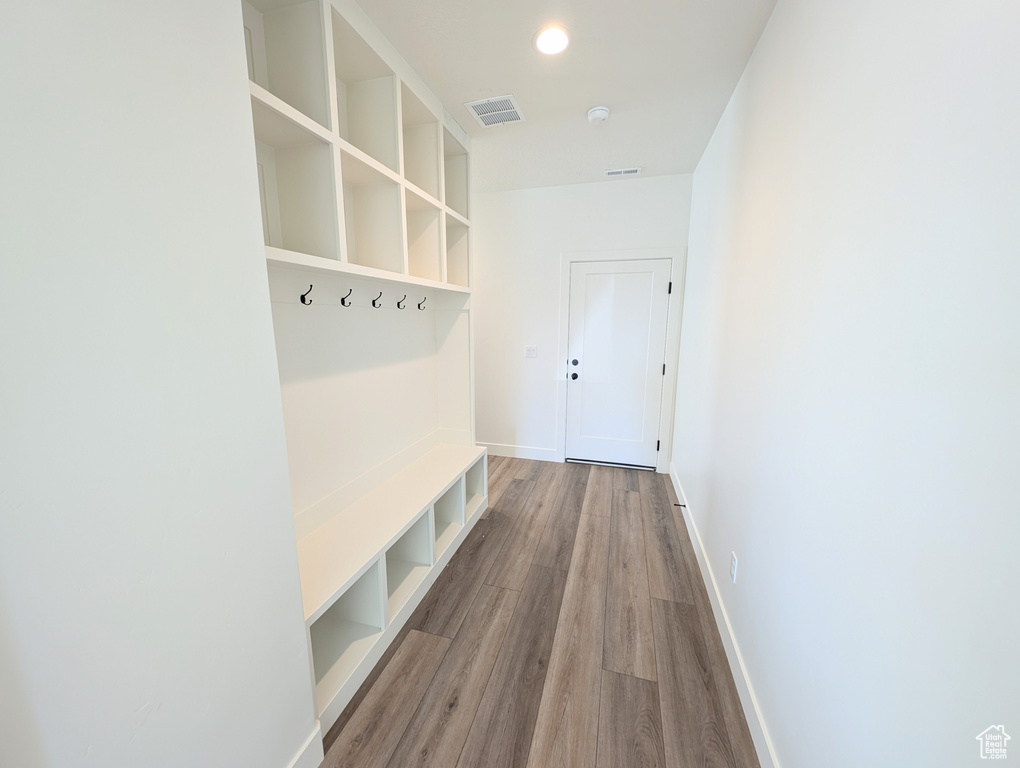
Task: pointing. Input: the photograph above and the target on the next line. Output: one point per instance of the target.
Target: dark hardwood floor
(571, 628)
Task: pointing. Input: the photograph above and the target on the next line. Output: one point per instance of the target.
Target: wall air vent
(496, 111)
(623, 172)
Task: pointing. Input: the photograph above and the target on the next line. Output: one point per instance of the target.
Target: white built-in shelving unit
(363, 182)
(357, 165)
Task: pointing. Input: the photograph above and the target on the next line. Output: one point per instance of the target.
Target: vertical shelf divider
(330, 64)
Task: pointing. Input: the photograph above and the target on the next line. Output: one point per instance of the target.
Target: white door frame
(678, 256)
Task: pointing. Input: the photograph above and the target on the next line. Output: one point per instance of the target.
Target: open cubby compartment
(286, 55)
(420, 130)
(366, 95)
(408, 562)
(344, 634)
(455, 174)
(423, 237)
(475, 482)
(372, 216)
(458, 265)
(448, 514)
(297, 185)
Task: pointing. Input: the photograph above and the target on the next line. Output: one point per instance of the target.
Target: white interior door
(616, 357)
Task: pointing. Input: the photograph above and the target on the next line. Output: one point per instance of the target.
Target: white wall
(848, 419)
(357, 412)
(518, 239)
(149, 603)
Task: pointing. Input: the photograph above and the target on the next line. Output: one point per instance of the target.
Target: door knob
(573, 375)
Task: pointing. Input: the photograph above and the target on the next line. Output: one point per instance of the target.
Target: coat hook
(400, 304)
(343, 299)
(376, 299)
(304, 297)
(420, 304)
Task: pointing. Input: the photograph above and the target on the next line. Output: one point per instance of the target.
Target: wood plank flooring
(376, 727)
(501, 734)
(629, 646)
(436, 733)
(630, 725)
(568, 722)
(571, 628)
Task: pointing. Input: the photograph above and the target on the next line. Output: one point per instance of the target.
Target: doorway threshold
(597, 463)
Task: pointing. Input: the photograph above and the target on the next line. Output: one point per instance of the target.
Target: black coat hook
(400, 304)
(304, 297)
(420, 303)
(343, 299)
(376, 299)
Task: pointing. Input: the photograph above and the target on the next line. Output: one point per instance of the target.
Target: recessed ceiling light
(552, 40)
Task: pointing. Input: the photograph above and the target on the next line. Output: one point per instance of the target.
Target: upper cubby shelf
(285, 55)
(296, 182)
(455, 173)
(371, 216)
(457, 261)
(366, 95)
(423, 221)
(421, 143)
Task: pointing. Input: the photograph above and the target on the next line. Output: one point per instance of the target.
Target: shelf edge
(317, 264)
(285, 110)
(430, 199)
(459, 217)
(363, 157)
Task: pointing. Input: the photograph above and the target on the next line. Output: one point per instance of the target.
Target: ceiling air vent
(624, 172)
(496, 111)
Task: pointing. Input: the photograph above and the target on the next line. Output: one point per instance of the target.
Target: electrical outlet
(733, 567)
(530, 350)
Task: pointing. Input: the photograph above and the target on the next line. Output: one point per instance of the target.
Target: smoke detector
(598, 115)
(495, 111)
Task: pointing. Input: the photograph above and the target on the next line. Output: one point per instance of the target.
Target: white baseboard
(310, 755)
(748, 701)
(522, 452)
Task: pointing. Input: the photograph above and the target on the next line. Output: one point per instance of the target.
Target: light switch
(530, 351)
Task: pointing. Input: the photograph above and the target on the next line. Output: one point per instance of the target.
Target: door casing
(674, 313)
(613, 408)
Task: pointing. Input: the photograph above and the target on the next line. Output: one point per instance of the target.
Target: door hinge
(663, 369)
(657, 443)
(670, 287)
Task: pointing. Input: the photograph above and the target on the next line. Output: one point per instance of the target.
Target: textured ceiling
(666, 69)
